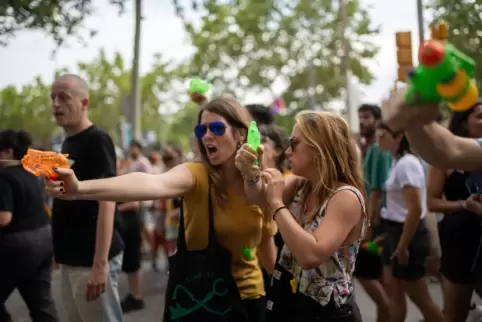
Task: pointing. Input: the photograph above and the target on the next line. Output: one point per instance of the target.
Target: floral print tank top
(334, 277)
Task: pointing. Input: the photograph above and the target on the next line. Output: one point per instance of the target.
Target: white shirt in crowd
(407, 171)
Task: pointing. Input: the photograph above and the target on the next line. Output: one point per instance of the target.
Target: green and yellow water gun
(254, 138)
(444, 74)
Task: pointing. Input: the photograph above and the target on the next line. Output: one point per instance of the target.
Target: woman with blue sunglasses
(214, 191)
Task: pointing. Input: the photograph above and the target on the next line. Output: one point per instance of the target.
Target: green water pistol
(199, 86)
(254, 138)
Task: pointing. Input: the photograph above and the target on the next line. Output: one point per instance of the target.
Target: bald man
(86, 244)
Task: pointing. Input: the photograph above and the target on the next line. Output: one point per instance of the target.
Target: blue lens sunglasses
(216, 128)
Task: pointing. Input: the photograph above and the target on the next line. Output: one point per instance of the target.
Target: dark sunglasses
(216, 128)
(293, 143)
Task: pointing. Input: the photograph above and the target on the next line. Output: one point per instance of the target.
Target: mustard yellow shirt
(237, 225)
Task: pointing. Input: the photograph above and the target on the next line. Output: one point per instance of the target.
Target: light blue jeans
(74, 284)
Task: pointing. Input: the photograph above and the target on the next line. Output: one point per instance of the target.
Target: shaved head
(77, 83)
(70, 101)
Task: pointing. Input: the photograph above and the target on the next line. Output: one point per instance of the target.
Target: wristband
(278, 210)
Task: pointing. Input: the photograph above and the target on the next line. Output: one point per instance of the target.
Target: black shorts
(460, 236)
(308, 310)
(130, 231)
(368, 265)
(419, 250)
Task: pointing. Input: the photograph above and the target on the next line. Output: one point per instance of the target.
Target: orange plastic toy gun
(41, 163)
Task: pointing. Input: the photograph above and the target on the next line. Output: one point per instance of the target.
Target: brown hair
(336, 157)
(238, 117)
(280, 140)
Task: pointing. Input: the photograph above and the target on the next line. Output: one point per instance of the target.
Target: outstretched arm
(139, 186)
(441, 149)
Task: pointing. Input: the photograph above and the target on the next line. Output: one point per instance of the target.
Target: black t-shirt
(74, 223)
(21, 194)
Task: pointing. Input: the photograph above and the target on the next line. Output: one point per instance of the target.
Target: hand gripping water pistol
(444, 74)
(254, 138)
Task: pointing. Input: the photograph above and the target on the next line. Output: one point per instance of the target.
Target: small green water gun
(199, 86)
(254, 138)
(372, 247)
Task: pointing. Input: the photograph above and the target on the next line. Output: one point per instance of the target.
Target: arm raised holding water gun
(444, 76)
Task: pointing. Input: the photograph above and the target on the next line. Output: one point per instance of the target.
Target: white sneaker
(475, 314)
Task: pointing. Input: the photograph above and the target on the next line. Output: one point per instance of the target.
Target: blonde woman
(324, 224)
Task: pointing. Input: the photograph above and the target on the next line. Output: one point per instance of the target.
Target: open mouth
(58, 114)
(211, 149)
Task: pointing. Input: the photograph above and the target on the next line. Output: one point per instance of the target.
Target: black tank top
(461, 224)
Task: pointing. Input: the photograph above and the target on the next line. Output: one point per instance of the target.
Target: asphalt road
(154, 287)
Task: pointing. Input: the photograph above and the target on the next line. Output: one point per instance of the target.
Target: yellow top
(237, 225)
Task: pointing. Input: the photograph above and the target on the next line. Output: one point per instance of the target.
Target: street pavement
(154, 286)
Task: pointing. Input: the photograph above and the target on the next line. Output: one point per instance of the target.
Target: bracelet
(254, 180)
(278, 210)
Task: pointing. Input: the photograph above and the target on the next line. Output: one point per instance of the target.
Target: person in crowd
(376, 165)
(221, 130)
(460, 230)
(25, 234)
(326, 221)
(167, 221)
(87, 246)
(136, 232)
(407, 239)
(129, 225)
(156, 163)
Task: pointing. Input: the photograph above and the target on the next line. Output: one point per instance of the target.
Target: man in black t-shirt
(86, 243)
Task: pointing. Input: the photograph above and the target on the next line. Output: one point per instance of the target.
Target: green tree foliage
(27, 108)
(464, 24)
(248, 45)
(59, 18)
(109, 80)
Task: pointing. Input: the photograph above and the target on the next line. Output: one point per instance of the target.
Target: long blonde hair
(238, 118)
(336, 158)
